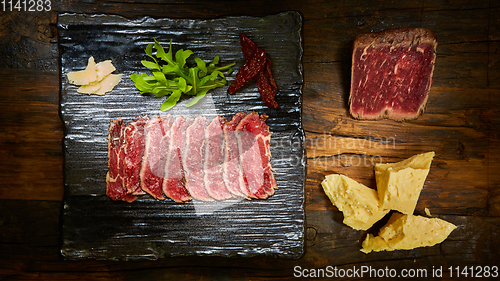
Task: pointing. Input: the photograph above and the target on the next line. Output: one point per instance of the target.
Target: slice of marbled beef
(174, 181)
(134, 151)
(115, 177)
(157, 133)
(214, 160)
(254, 140)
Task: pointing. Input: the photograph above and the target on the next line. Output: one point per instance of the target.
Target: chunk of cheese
(399, 184)
(358, 203)
(86, 76)
(405, 232)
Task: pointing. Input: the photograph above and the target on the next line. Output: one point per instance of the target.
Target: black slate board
(93, 226)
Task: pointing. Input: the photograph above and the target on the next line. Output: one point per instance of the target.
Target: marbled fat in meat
(193, 159)
(134, 150)
(231, 167)
(173, 183)
(214, 160)
(157, 133)
(115, 188)
(392, 73)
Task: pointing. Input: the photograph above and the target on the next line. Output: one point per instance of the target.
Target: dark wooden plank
(494, 48)
(28, 40)
(31, 153)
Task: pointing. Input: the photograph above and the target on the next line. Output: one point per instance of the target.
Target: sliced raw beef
(214, 159)
(193, 159)
(392, 73)
(231, 167)
(254, 140)
(134, 150)
(173, 183)
(157, 133)
(189, 158)
(115, 176)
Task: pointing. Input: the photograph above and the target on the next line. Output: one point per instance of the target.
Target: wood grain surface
(461, 124)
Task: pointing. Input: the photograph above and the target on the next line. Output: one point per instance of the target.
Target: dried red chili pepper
(248, 71)
(264, 79)
(270, 78)
(248, 48)
(266, 90)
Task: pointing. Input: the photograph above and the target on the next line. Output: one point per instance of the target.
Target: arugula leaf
(181, 56)
(202, 66)
(160, 77)
(150, 65)
(171, 101)
(160, 52)
(149, 51)
(175, 78)
(197, 98)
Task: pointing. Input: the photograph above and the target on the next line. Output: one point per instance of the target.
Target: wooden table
(461, 124)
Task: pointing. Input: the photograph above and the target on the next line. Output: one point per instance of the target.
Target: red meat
(214, 159)
(193, 159)
(254, 140)
(184, 158)
(134, 150)
(157, 133)
(173, 183)
(231, 168)
(116, 154)
(392, 73)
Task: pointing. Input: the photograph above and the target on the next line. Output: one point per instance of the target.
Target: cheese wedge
(358, 203)
(399, 184)
(405, 232)
(84, 77)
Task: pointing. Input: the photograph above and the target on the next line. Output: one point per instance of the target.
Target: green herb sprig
(175, 78)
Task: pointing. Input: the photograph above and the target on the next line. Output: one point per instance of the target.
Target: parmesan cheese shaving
(96, 78)
(84, 77)
(108, 83)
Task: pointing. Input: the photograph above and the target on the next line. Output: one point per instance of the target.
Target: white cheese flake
(84, 77)
(96, 79)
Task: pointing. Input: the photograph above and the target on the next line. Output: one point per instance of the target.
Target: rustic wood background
(461, 124)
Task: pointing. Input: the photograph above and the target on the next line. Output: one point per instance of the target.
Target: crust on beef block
(391, 73)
